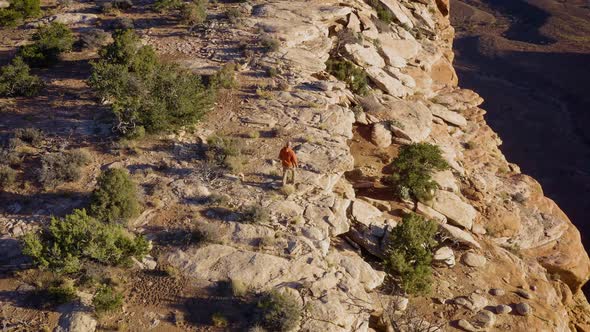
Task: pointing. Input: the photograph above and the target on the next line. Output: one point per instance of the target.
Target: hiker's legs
(292, 175)
(285, 173)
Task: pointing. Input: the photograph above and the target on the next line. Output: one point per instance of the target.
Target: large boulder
(381, 135)
(457, 212)
(386, 82)
(409, 120)
(365, 55)
(76, 321)
(460, 236)
(398, 48)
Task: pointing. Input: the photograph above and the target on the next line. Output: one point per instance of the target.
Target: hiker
(289, 161)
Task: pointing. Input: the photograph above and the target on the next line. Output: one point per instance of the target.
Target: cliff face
(508, 235)
(503, 246)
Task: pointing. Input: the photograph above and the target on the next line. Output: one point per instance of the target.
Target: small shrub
(288, 189)
(7, 177)
(122, 4)
(278, 312)
(31, 136)
(122, 24)
(163, 6)
(409, 253)
(238, 288)
(94, 39)
(470, 145)
(115, 198)
(255, 214)
(234, 15)
(226, 152)
(355, 77)
(218, 199)
(413, 168)
(18, 11)
(219, 320)
(48, 43)
(60, 167)
(10, 157)
(383, 13)
(264, 92)
(62, 292)
(257, 328)
(272, 71)
(225, 77)
(16, 80)
(107, 300)
(68, 242)
(269, 44)
(194, 13)
(146, 92)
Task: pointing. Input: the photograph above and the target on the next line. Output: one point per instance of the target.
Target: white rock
(445, 255)
(381, 135)
(365, 55)
(446, 180)
(398, 48)
(451, 117)
(473, 260)
(76, 321)
(430, 213)
(364, 212)
(386, 82)
(503, 309)
(466, 326)
(354, 24)
(460, 236)
(458, 212)
(400, 12)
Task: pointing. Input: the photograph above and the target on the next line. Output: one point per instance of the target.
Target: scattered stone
(460, 236)
(523, 309)
(497, 292)
(502, 309)
(381, 135)
(524, 294)
(473, 260)
(484, 319)
(466, 326)
(445, 255)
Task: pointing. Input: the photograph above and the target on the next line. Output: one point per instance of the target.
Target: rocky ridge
(505, 248)
(518, 238)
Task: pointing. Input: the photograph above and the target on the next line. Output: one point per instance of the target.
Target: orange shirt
(288, 157)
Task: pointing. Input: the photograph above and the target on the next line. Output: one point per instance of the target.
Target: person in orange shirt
(289, 162)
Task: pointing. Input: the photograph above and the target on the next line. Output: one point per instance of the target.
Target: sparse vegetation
(68, 242)
(61, 291)
(234, 15)
(31, 136)
(413, 168)
(7, 177)
(225, 77)
(115, 198)
(238, 288)
(219, 320)
(16, 80)
(269, 44)
(60, 167)
(278, 312)
(94, 39)
(255, 214)
(355, 77)
(163, 6)
(48, 43)
(146, 92)
(194, 13)
(409, 253)
(18, 11)
(107, 300)
(226, 152)
(383, 13)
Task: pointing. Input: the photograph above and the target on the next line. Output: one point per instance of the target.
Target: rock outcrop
(516, 237)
